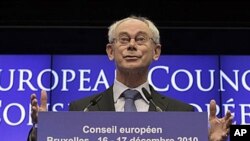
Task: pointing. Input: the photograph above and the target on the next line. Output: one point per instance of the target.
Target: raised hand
(219, 127)
(35, 107)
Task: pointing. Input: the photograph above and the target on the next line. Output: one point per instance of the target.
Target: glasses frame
(118, 40)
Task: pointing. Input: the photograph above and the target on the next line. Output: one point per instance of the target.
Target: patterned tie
(130, 97)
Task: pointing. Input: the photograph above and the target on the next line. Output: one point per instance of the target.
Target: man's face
(133, 47)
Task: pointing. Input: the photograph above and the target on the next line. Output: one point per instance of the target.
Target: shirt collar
(119, 88)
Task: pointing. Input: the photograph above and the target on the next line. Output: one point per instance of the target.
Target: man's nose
(132, 43)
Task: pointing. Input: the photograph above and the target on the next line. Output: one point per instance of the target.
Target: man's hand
(35, 107)
(219, 127)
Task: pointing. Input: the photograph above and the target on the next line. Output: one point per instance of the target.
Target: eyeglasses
(139, 39)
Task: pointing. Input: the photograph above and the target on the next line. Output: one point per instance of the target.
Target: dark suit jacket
(106, 103)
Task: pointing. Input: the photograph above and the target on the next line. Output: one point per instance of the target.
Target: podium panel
(122, 126)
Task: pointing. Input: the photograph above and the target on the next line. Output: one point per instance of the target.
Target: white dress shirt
(142, 105)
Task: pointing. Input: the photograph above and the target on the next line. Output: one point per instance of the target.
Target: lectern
(122, 126)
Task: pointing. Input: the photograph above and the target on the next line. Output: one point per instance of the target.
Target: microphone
(93, 102)
(150, 98)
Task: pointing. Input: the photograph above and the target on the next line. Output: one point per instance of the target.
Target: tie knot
(131, 94)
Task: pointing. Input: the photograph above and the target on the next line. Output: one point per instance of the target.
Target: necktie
(130, 96)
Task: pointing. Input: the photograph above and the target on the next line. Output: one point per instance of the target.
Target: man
(134, 42)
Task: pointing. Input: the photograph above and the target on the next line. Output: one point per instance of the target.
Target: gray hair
(151, 25)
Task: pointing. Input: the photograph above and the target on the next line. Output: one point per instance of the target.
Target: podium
(122, 126)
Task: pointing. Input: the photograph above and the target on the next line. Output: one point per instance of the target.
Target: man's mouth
(131, 57)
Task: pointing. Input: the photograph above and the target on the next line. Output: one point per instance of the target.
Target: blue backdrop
(192, 79)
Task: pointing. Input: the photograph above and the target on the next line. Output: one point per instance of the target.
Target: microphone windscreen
(147, 95)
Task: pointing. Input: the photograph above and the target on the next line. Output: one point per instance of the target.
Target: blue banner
(123, 126)
(193, 79)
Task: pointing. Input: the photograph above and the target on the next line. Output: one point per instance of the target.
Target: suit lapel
(158, 99)
(107, 101)
(151, 107)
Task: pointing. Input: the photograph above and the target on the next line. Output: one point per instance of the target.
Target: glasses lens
(139, 39)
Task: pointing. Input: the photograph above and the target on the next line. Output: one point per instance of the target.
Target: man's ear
(157, 52)
(110, 51)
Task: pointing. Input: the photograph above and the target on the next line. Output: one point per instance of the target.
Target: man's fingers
(229, 121)
(212, 109)
(34, 104)
(34, 108)
(32, 97)
(228, 115)
(43, 100)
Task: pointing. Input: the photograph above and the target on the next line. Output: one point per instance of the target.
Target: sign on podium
(122, 126)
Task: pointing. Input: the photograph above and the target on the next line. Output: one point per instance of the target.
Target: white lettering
(198, 73)
(235, 84)
(229, 107)
(65, 78)
(150, 77)
(57, 105)
(27, 80)
(244, 80)
(83, 79)
(101, 80)
(39, 79)
(190, 79)
(5, 114)
(11, 80)
(240, 132)
(244, 114)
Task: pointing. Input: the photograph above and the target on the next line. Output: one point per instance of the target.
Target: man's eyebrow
(123, 33)
(142, 32)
